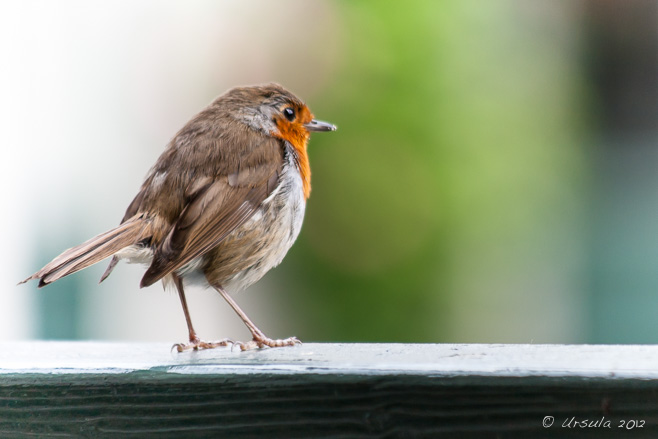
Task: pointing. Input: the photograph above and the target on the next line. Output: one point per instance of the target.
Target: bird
(222, 205)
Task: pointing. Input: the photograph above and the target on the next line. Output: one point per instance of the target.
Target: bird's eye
(289, 113)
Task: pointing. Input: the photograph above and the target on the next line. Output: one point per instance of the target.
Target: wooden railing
(79, 389)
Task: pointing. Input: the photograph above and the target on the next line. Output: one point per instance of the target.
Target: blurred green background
(494, 177)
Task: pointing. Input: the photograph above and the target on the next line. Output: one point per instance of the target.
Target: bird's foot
(197, 344)
(261, 341)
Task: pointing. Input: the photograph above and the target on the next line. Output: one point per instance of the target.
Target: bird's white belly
(283, 211)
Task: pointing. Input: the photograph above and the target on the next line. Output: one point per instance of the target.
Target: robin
(222, 206)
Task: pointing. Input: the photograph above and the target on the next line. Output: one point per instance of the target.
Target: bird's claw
(200, 344)
(261, 342)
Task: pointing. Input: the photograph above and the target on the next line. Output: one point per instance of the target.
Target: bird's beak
(318, 125)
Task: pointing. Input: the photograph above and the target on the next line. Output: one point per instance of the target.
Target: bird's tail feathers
(96, 249)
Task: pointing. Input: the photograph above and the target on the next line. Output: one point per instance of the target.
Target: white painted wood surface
(589, 361)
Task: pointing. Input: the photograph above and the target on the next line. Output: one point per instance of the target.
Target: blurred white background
(493, 178)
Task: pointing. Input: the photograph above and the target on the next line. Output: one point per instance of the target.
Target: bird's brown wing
(217, 206)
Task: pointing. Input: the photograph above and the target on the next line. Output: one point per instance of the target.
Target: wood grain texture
(325, 391)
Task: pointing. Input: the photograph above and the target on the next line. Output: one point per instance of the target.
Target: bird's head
(276, 111)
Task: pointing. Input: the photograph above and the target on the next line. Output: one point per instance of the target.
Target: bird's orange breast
(295, 133)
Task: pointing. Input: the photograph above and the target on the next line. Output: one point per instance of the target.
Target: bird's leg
(259, 340)
(194, 343)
